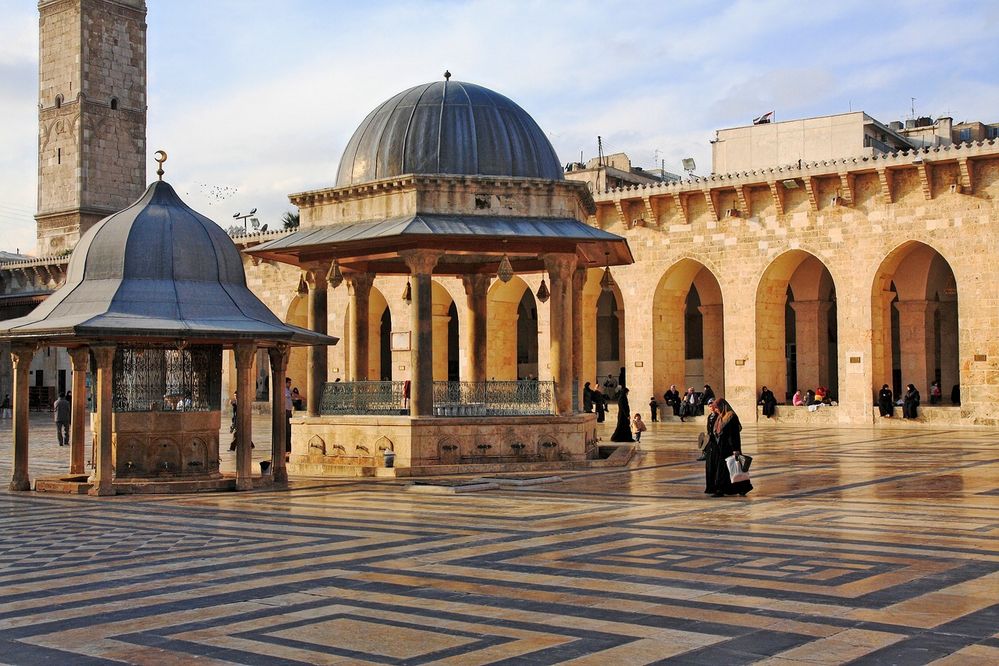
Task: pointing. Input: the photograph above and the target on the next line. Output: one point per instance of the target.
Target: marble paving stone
(844, 553)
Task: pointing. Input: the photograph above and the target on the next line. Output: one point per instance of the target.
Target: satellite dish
(688, 164)
(263, 228)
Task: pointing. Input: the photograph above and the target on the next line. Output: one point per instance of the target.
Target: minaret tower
(91, 115)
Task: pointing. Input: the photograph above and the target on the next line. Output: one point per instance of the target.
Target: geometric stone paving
(857, 546)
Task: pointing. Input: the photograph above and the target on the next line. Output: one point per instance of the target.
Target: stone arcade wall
(851, 215)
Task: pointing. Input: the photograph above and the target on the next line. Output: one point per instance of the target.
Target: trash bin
(390, 458)
(265, 467)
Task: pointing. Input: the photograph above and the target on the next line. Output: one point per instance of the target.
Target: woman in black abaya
(623, 431)
(886, 402)
(728, 442)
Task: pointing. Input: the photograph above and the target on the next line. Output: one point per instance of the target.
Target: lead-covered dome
(448, 127)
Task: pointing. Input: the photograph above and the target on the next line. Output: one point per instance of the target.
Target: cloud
(262, 97)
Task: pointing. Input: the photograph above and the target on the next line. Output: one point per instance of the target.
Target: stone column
(103, 461)
(316, 370)
(949, 348)
(245, 353)
(811, 326)
(20, 358)
(359, 288)
(476, 293)
(80, 357)
(421, 266)
(560, 268)
(713, 340)
(279, 415)
(578, 280)
(916, 337)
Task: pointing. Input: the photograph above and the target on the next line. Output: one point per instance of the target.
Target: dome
(448, 127)
(157, 269)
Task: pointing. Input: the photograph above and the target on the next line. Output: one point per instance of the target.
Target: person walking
(910, 402)
(708, 437)
(886, 402)
(653, 408)
(63, 416)
(623, 431)
(639, 426)
(587, 398)
(728, 442)
(289, 407)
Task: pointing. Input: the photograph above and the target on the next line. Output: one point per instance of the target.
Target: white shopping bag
(735, 470)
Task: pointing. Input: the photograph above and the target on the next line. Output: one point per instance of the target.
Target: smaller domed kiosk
(153, 294)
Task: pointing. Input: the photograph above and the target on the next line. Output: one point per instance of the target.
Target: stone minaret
(91, 115)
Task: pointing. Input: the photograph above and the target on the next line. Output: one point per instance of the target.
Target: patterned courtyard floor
(857, 546)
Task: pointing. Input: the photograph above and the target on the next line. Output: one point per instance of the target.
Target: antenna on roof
(600, 150)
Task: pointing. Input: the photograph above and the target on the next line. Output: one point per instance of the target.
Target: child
(638, 425)
(654, 408)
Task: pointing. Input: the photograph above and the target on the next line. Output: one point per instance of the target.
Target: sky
(256, 99)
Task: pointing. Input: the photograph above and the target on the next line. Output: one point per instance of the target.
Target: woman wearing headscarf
(910, 402)
(769, 402)
(886, 402)
(623, 431)
(587, 398)
(728, 442)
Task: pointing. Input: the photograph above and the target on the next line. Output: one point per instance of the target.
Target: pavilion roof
(474, 243)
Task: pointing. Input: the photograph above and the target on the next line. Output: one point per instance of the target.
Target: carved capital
(20, 357)
(279, 355)
(476, 285)
(104, 355)
(315, 276)
(244, 352)
(359, 283)
(560, 266)
(80, 357)
(421, 262)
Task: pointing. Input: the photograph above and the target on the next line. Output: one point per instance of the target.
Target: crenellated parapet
(32, 277)
(809, 186)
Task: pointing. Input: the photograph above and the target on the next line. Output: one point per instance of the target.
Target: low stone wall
(356, 445)
(791, 415)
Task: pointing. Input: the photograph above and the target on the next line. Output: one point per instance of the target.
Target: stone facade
(92, 115)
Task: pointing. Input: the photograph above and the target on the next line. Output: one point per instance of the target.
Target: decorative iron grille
(151, 379)
(383, 398)
(494, 398)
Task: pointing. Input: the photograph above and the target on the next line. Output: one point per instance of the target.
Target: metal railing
(385, 398)
(494, 398)
(451, 399)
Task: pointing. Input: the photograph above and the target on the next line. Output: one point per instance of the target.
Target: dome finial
(160, 156)
(447, 75)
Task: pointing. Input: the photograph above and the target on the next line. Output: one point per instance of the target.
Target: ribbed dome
(157, 269)
(448, 127)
